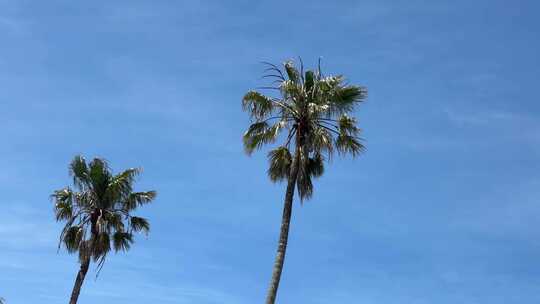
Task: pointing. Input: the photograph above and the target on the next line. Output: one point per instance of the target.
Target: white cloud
(24, 227)
(487, 117)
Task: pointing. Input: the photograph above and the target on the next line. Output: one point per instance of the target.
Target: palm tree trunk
(284, 234)
(79, 281)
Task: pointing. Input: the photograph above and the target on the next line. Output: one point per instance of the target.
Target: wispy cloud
(165, 294)
(483, 118)
(25, 227)
(507, 126)
(510, 211)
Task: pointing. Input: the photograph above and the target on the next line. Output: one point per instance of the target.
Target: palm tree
(313, 109)
(98, 214)
(2, 300)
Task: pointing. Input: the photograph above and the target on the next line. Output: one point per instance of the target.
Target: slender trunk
(79, 281)
(284, 234)
(85, 260)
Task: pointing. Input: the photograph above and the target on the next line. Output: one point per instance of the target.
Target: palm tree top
(315, 111)
(98, 211)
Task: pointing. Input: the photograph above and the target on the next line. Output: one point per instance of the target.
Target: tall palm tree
(314, 111)
(98, 213)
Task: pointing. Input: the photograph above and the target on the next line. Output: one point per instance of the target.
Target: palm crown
(314, 110)
(98, 215)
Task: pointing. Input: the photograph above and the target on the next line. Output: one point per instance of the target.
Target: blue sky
(442, 208)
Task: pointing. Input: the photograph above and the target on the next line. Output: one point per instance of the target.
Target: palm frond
(139, 224)
(343, 99)
(79, 171)
(347, 126)
(63, 206)
(122, 241)
(101, 245)
(100, 176)
(280, 163)
(113, 220)
(291, 91)
(303, 181)
(309, 80)
(349, 144)
(315, 165)
(137, 199)
(273, 68)
(322, 140)
(261, 133)
(73, 238)
(258, 105)
(120, 185)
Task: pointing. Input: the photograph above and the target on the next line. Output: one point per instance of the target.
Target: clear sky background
(444, 207)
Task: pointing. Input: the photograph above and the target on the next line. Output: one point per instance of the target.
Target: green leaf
(122, 241)
(79, 170)
(310, 80)
(315, 165)
(349, 144)
(261, 133)
(347, 126)
(343, 99)
(258, 105)
(137, 199)
(101, 245)
(121, 185)
(63, 206)
(280, 163)
(73, 238)
(100, 176)
(140, 224)
(114, 221)
(291, 90)
(303, 181)
(321, 140)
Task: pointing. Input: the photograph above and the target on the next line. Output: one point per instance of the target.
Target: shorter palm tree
(98, 215)
(2, 300)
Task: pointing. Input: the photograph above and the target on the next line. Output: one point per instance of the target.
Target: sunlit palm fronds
(312, 114)
(98, 211)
